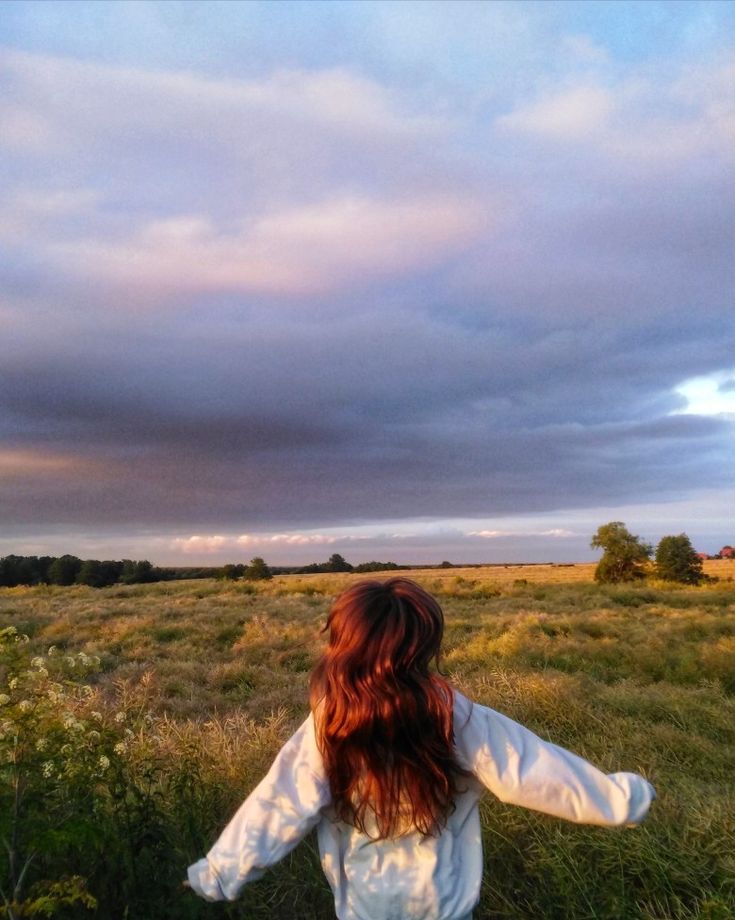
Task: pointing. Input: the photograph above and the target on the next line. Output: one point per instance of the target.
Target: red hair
(384, 721)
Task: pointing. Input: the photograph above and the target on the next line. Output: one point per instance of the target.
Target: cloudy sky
(401, 280)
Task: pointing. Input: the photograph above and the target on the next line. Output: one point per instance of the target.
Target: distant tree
(624, 555)
(98, 574)
(375, 567)
(677, 560)
(135, 571)
(446, 564)
(24, 570)
(727, 552)
(229, 572)
(64, 570)
(257, 570)
(337, 563)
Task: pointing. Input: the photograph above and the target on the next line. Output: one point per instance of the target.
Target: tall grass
(120, 769)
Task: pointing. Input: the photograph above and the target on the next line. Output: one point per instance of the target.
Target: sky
(406, 281)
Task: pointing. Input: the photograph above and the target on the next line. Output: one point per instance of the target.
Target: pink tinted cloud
(304, 250)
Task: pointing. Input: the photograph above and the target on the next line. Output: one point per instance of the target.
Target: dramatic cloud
(456, 290)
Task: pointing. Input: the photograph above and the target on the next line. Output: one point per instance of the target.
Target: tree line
(627, 557)
(71, 570)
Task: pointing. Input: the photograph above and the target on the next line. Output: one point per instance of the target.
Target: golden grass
(633, 677)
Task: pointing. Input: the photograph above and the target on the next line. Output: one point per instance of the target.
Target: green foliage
(64, 570)
(258, 570)
(676, 560)
(624, 555)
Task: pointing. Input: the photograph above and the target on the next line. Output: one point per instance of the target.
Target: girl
(390, 766)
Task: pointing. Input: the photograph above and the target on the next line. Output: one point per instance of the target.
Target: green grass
(214, 677)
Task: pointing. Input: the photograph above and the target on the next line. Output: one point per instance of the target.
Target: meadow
(135, 719)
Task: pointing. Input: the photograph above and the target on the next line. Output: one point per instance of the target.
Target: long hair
(384, 722)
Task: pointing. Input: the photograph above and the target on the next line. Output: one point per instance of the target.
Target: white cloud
(571, 115)
(286, 539)
(556, 532)
(304, 250)
(199, 544)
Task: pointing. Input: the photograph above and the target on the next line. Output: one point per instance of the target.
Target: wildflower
(97, 716)
(41, 744)
(87, 690)
(65, 749)
(120, 716)
(4, 698)
(70, 661)
(94, 735)
(51, 650)
(13, 682)
(120, 747)
(48, 768)
(42, 672)
(24, 705)
(104, 762)
(37, 662)
(69, 721)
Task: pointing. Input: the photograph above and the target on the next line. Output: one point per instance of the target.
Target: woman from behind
(390, 766)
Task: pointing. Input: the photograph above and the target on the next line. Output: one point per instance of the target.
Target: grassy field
(128, 746)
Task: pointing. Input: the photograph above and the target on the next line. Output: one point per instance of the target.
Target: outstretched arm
(277, 814)
(521, 769)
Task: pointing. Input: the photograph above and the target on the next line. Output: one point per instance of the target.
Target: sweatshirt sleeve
(277, 814)
(521, 769)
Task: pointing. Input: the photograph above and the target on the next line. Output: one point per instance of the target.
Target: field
(136, 718)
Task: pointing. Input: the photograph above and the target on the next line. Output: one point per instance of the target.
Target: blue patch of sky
(408, 40)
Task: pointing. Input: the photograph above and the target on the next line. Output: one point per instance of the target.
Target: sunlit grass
(213, 677)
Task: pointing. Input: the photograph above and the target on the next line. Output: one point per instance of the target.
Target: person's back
(390, 766)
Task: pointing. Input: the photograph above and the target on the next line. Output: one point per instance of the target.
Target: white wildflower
(41, 744)
(120, 716)
(120, 747)
(13, 682)
(37, 662)
(87, 690)
(65, 749)
(104, 762)
(51, 650)
(94, 735)
(42, 672)
(70, 661)
(24, 705)
(97, 716)
(4, 698)
(48, 768)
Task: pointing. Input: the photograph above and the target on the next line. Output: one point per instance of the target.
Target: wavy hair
(384, 722)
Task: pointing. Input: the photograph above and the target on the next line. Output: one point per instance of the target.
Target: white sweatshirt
(412, 877)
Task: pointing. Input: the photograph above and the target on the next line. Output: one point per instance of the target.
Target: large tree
(624, 555)
(677, 560)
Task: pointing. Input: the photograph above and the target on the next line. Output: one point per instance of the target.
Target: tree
(676, 560)
(337, 563)
(64, 570)
(257, 570)
(624, 555)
